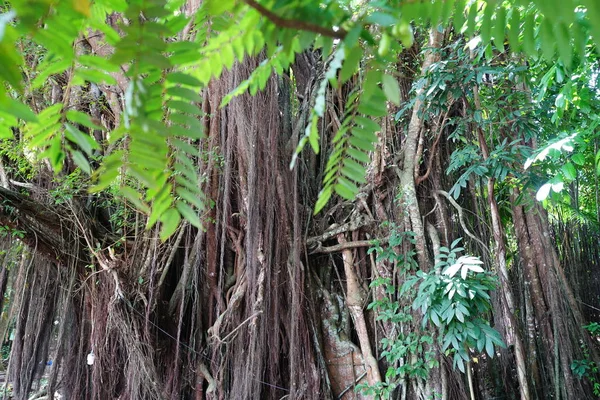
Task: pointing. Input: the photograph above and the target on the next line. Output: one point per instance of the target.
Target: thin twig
(295, 24)
(347, 245)
(461, 218)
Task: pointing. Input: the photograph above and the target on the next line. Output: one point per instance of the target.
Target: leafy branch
(296, 24)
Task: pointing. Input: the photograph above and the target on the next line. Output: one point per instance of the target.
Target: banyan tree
(299, 199)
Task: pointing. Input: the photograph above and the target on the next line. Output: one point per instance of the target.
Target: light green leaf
(81, 161)
(569, 171)
(381, 19)
(19, 110)
(324, 197)
(361, 144)
(359, 155)
(184, 79)
(189, 214)
(499, 28)
(184, 93)
(170, 220)
(547, 40)
(514, 30)
(351, 64)
(565, 49)
(93, 75)
(227, 56)
(528, 35)
(83, 119)
(191, 194)
(391, 89)
(349, 186)
(344, 192)
(216, 7)
(134, 197)
(313, 134)
(80, 138)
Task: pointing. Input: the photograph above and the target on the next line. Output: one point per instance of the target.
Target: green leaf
(323, 198)
(514, 30)
(80, 138)
(83, 119)
(447, 8)
(351, 187)
(528, 35)
(373, 108)
(459, 15)
(227, 56)
(565, 49)
(170, 220)
(593, 11)
(184, 107)
(55, 154)
(364, 134)
(19, 110)
(184, 93)
(547, 40)
(313, 134)
(93, 75)
(134, 197)
(93, 61)
(191, 195)
(351, 64)
(381, 19)
(361, 144)
(359, 155)
(217, 7)
(499, 28)
(81, 161)
(184, 79)
(357, 176)
(46, 69)
(184, 146)
(489, 347)
(569, 171)
(578, 159)
(367, 123)
(391, 89)
(189, 214)
(344, 192)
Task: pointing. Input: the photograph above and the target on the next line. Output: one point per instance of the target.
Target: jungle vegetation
(299, 199)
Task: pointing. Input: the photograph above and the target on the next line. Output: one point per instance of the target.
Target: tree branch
(433, 150)
(347, 245)
(295, 24)
(40, 226)
(461, 218)
(335, 230)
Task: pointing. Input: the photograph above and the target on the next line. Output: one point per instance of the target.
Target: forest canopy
(313, 199)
